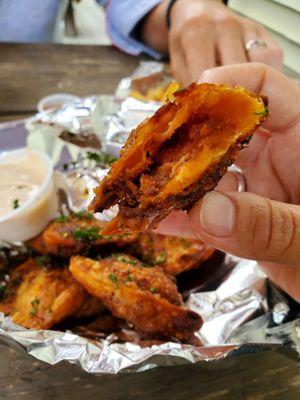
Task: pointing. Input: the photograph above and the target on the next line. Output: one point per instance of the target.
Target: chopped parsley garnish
(62, 218)
(121, 258)
(15, 204)
(153, 290)
(144, 265)
(43, 260)
(264, 113)
(128, 278)
(87, 235)
(35, 305)
(161, 258)
(114, 279)
(83, 214)
(67, 165)
(100, 158)
(2, 289)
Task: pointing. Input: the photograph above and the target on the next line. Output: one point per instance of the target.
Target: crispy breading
(172, 159)
(37, 297)
(173, 254)
(91, 307)
(144, 296)
(75, 234)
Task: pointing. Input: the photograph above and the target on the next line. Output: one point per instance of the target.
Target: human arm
(205, 34)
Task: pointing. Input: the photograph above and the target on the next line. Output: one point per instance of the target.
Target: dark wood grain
(267, 375)
(29, 72)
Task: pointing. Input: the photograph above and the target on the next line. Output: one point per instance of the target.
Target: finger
(198, 44)
(275, 51)
(176, 224)
(271, 54)
(249, 226)
(229, 183)
(178, 62)
(283, 94)
(230, 41)
(285, 276)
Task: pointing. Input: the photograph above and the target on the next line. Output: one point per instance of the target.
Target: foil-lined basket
(242, 311)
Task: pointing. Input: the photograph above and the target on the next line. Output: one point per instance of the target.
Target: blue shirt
(35, 21)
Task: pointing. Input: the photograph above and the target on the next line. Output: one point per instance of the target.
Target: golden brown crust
(73, 235)
(148, 299)
(171, 160)
(173, 254)
(39, 298)
(91, 307)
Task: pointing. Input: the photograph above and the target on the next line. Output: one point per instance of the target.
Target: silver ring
(254, 43)
(240, 179)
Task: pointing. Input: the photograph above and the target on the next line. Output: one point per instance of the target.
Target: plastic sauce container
(28, 198)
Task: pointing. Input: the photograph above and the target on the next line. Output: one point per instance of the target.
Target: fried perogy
(74, 234)
(173, 254)
(144, 296)
(38, 297)
(172, 159)
(91, 307)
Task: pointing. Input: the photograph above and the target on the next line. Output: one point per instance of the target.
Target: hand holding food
(264, 223)
(171, 160)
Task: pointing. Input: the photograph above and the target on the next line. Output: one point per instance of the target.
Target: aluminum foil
(224, 312)
(109, 119)
(130, 113)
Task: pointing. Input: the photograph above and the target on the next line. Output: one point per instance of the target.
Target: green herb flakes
(264, 113)
(62, 218)
(43, 260)
(161, 258)
(35, 305)
(87, 235)
(15, 204)
(114, 279)
(153, 290)
(2, 288)
(83, 214)
(122, 258)
(100, 158)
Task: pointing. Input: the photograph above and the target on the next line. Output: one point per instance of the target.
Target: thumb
(249, 226)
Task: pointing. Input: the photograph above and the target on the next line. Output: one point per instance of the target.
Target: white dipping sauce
(27, 193)
(19, 182)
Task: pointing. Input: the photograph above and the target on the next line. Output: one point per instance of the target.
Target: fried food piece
(144, 296)
(173, 254)
(172, 159)
(72, 235)
(38, 297)
(91, 307)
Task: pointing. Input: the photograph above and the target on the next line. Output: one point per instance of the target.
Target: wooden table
(27, 73)
(30, 72)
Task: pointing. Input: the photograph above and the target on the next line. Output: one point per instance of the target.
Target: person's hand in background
(205, 34)
(264, 222)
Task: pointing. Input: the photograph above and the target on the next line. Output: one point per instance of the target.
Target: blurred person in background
(196, 34)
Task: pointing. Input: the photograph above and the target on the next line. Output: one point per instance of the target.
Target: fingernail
(217, 214)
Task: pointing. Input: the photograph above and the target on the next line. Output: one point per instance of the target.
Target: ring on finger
(240, 178)
(254, 43)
